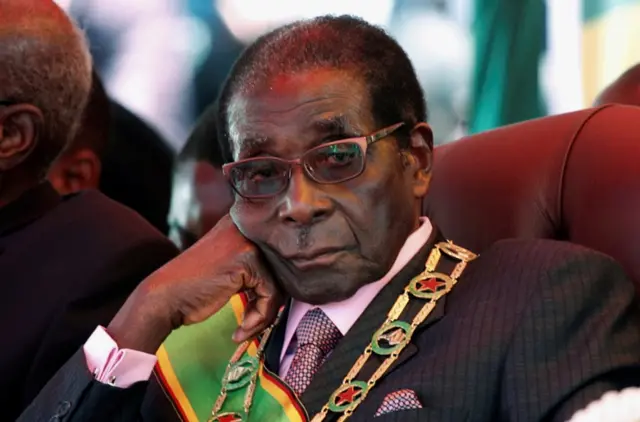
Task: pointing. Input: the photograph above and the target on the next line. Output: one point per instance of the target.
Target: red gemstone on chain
(431, 284)
(348, 395)
(230, 417)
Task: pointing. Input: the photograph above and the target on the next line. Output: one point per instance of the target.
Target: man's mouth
(316, 258)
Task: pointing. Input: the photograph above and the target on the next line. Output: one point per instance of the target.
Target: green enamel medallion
(240, 373)
(391, 337)
(346, 396)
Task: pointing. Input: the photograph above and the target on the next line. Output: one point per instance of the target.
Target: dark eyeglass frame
(363, 142)
(7, 103)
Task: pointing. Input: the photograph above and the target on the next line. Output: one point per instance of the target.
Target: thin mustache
(303, 237)
(312, 254)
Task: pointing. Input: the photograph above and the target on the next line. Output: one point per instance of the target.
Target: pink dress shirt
(114, 366)
(123, 367)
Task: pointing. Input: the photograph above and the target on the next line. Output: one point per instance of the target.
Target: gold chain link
(223, 391)
(239, 352)
(396, 310)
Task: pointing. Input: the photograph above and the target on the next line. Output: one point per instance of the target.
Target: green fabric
(199, 355)
(595, 9)
(509, 42)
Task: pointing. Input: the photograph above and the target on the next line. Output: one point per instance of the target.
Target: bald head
(624, 90)
(45, 80)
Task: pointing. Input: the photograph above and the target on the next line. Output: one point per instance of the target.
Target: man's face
(200, 196)
(324, 241)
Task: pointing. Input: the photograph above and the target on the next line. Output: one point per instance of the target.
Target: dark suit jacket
(66, 265)
(533, 331)
(136, 167)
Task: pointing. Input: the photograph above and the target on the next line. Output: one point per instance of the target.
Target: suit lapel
(330, 375)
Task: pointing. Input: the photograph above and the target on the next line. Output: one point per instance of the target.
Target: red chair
(574, 177)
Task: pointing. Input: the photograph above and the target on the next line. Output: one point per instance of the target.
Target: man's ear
(19, 126)
(420, 155)
(76, 170)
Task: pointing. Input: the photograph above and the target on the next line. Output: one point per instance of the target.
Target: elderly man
(200, 195)
(66, 263)
(383, 318)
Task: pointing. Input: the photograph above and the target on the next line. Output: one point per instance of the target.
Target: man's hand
(195, 286)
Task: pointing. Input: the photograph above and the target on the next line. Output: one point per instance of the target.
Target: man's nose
(304, 203)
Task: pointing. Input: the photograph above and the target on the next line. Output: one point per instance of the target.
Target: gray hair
(45, 61)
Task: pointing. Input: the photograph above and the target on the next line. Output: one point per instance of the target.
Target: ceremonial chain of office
(388, 341)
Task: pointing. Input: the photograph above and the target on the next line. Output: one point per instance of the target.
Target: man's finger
(261, 312)
(259, 315)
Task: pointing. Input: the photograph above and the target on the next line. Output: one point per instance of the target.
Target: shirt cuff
(117, 367)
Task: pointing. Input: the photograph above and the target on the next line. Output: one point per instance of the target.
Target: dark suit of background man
(532, 331)
(66, 263)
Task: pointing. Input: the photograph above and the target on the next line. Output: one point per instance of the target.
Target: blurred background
(483, 63)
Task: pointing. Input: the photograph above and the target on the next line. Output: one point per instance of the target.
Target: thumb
(261, 311)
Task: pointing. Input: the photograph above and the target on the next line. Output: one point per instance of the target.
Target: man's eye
(337, 155)
(340, 158)
(259, 174)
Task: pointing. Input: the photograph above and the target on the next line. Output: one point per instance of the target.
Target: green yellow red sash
(192, 363)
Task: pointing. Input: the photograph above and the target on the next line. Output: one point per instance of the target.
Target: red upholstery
(571, 177)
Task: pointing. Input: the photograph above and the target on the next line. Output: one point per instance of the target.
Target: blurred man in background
(201, 194)
(79, 167)
(624, 90)
(117, 153)
(66, 263)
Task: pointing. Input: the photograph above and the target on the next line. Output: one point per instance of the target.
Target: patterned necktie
(316, 336)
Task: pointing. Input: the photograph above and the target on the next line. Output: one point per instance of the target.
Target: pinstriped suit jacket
(533, 331)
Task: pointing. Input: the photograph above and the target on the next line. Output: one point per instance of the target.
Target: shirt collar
(28, 207)
(345, 313)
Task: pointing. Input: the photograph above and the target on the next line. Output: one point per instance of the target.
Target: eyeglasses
(333, 162)
(7, 103)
